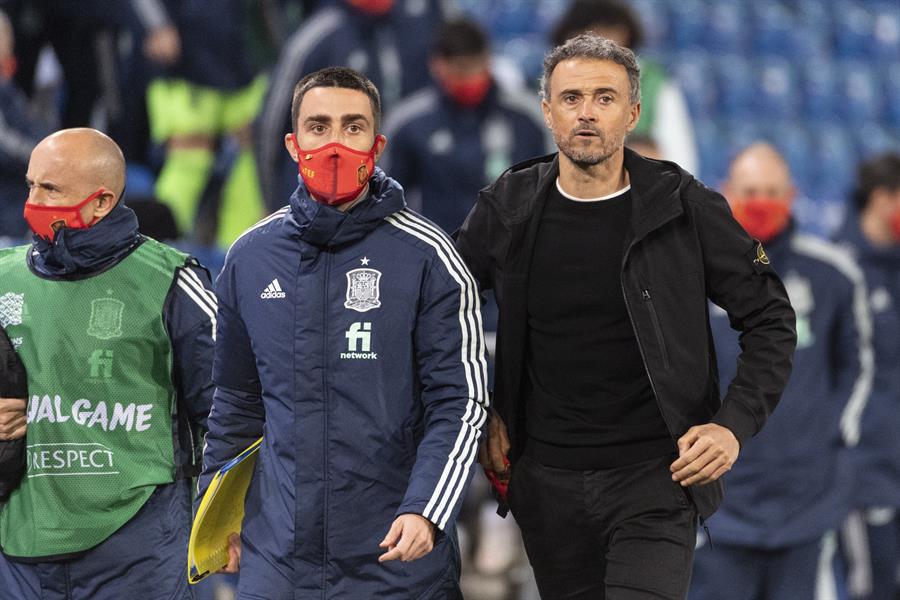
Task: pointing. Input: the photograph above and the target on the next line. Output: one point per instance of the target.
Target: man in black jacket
(606, 387)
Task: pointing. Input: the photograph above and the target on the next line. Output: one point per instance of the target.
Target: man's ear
(380, 144)
(548, 120)
(291, 146)
(105, 203)
(635, 116)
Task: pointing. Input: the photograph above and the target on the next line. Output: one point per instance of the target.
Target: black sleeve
(472, 241)
(740, 279)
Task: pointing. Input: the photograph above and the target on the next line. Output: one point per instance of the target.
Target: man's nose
(587, 112)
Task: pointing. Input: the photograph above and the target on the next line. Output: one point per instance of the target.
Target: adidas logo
(273, 290)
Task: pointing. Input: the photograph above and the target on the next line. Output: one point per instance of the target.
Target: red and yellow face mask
(335, 174)
(45, 220)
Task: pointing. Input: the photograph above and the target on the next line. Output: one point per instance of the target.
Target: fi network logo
(359, 342)
(101, 362)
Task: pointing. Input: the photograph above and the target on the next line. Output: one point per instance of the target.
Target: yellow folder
(220, 514)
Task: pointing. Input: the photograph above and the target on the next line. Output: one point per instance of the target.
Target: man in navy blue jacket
(872, 235)
(774, 533)
(454, 137)
(350, 338)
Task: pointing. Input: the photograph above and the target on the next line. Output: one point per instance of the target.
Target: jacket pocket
(657, 329)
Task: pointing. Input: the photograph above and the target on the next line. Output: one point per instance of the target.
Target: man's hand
(706, 452)
(411, 537)
(495, 447)
(234, 554)
(12, 418)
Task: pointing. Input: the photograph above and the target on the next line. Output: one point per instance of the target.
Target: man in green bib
(116, 332)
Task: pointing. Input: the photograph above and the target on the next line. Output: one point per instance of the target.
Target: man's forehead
(335, 102)
(588, 73)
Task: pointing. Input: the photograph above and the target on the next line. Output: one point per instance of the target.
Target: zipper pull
(645, 295)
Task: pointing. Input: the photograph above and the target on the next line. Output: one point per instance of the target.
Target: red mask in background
(8, 68)
(372, 7)
(763, 218)
(895, 224)
(467, 91)
(45, 221)
(335, 174)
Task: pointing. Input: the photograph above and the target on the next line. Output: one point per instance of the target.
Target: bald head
(759, 171)
(70, 165)
(92, 157)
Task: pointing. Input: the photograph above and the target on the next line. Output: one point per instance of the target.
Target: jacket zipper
(325, 422)
(645, 296)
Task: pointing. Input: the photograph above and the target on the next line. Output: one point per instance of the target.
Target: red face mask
(372, 7)
(468, 91)
(895, 224)
(45, 221)
(8, 68)
(763, 218)
(335, 174)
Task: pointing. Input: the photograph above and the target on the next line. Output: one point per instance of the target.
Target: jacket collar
(325, 226)
(655, 190)
(76, 253)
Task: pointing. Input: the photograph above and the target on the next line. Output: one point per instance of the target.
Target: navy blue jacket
(391, 50)
(443, 154)
(791, 482)
(353, 342)
(877, 457)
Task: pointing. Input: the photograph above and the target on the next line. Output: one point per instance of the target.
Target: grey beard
(585, 159)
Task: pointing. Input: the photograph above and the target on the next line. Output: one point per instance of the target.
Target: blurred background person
(664, 112)
(775, 532)
(454, 137)
(19, 134)
(872, 235)
(204, 100)
(387, 40)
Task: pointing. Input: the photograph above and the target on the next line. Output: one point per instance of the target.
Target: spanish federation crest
(362, 289)
(106, 318)
(11, 306)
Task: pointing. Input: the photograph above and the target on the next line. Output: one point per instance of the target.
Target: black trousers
(626, 533)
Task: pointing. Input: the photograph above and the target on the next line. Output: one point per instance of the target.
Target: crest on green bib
(106, 318)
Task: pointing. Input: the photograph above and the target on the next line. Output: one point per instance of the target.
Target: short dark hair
(340, 77)
(461, 37)
(582, 15)
(882, 171)
(592, 45)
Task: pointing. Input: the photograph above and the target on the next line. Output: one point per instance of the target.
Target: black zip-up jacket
(684, 247)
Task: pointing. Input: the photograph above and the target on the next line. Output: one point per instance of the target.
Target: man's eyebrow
(325, 119)
(599, 90)
(356, 117)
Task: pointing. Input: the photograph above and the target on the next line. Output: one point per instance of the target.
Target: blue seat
(688, 26)
(834, 151)
(853, 36)
(727, 30)
(885, 43)
(774, 26)
(892, 95)
(711, 143)
(779, 90)
(693, 72)
(736, 88)
(819, 83)
(859, 91)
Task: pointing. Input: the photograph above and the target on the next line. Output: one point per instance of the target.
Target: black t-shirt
(590, 403)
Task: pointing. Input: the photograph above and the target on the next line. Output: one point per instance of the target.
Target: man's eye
(318, 129)
(354, 128)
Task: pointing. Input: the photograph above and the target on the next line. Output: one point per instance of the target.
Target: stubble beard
(583, 157)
